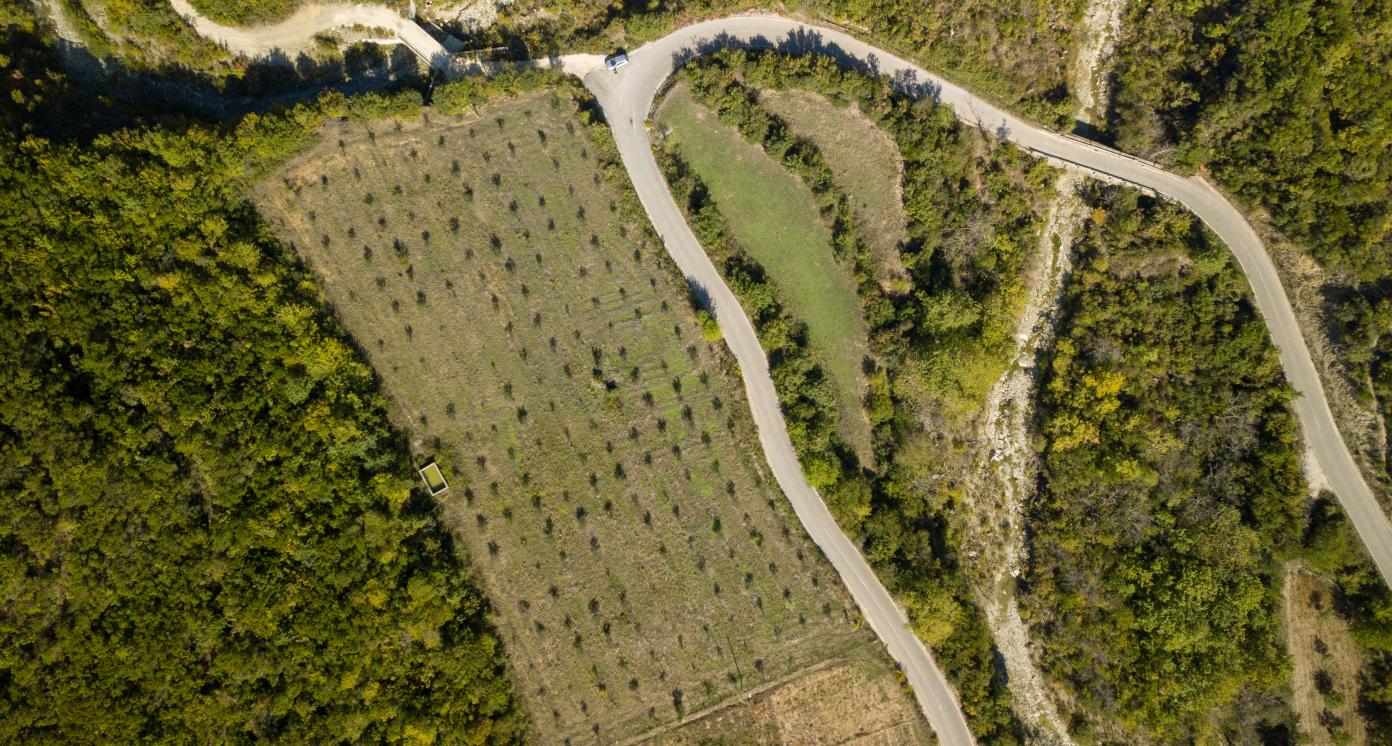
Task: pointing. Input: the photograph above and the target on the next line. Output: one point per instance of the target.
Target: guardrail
(1095, 173)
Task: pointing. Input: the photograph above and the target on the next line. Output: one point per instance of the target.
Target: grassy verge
(866, 166)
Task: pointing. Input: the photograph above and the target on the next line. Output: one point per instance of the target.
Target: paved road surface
(626, 107)
(627, 97)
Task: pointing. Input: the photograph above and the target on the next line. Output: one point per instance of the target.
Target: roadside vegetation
(535, 340)
(1014, 51)
(1289, 106)
(1170, 485)
(211, 532)
(142, 36)
(866, 165)
(774, 217)
(1171, 500)
(246, 12)
(935, 348)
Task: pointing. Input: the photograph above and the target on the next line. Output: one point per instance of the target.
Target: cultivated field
(867, 168)
(774, 217)
(604, 474)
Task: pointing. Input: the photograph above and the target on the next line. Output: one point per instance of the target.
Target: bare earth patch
(831, 704)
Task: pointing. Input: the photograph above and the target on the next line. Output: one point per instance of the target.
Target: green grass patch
(867, 167)
(434, 478)
(774, 217)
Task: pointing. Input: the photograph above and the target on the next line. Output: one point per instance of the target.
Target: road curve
(627, 97)
(297, 31)
(626, 108)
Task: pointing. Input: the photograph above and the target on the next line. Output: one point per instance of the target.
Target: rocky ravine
(998, 492)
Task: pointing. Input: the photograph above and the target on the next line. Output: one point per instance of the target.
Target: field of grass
(774, 217)
(867, 168)
(604, 473)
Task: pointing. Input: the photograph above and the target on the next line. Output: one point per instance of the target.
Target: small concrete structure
(434, 478)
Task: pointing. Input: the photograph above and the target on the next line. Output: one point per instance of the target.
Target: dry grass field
(1327, 659)
(812, 707)
(866, 165)
(604, 474)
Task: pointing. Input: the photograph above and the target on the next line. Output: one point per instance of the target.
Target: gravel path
(297, 32)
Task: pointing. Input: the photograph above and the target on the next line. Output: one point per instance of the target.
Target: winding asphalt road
(627, 96)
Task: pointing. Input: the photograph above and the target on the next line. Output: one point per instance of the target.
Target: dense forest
(1170, 479)
(1171, 495)
(937, 346)
(211, 533)
(1289, 106)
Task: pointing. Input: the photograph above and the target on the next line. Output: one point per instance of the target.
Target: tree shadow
(700, 296)
(804, 41)
(275, 80)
